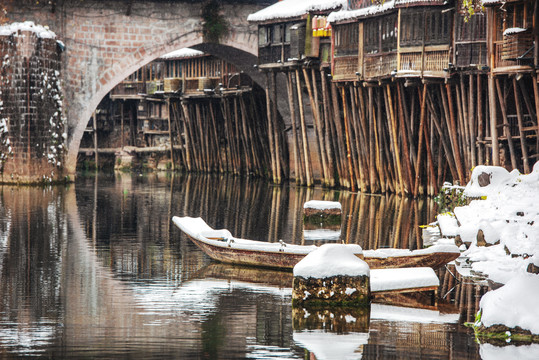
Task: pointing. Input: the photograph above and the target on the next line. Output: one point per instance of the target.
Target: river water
(96, 269)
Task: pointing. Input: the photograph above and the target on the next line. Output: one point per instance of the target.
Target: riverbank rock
(332, 275)
(511, 311)
(322, 214)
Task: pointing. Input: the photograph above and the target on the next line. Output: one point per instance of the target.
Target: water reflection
(98, 270)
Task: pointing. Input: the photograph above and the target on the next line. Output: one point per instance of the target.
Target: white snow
(182, 53)
(514, 304)
(448, 224)
(406, 278)
(331, 260)
(326, 345)
(345, 14)
(286, 9)
(521, 352)
(514, 30)
(41, 31)
(322, 205)
(508, 217)
(400, 314)
(384, 253)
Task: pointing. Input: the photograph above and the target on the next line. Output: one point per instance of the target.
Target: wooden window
(287, 32)
(389, 33)
(346, 39)
(263, 35)
(277, 34)
(372, 36)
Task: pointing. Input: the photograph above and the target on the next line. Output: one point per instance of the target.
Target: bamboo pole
(169, 135)
(396, 154)
(402, 126)
(300, 179)
(317, 126)
(523, 145)
(420, 146)
(276, 133)
(506, 128)
(358, 158)
(493, 120)
(347, 137)
(453, 131)
(536, 96)
(308, 171)
(481, 147)
(270, 130)
(327, 128)
(364, 151)
(471, 115)
(442, 137)
(188, 146)
(372, 170)
(339, 131)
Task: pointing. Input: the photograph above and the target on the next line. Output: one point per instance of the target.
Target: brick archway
(107, 41)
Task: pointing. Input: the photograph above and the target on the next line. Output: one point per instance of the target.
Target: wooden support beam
(506, 127)
(523, 144)
(493, 120)
(306, 152)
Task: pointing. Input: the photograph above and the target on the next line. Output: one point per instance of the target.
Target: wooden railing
(345, 68)
(499, 60)
(434, 62)
(127, 88)
(517, 45)
(379, 65)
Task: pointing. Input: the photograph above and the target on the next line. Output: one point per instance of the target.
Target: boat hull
(283, 260)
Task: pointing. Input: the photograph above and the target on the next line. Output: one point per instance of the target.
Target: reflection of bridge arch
(105, 41)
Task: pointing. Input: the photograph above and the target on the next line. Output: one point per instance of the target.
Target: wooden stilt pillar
(506, 127)
(308, 171)
(523, 144)
(493, 121)
(292, 105)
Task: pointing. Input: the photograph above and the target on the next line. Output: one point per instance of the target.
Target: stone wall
(31, 113)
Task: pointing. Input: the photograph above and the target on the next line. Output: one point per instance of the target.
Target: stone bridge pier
(105, 41)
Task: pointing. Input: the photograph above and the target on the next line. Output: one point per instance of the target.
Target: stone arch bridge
(105, 41)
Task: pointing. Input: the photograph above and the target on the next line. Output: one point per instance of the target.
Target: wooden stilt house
(292, 30)
(470, 38)
(512, 43)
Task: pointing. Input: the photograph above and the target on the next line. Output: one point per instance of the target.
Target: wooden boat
(220, 245)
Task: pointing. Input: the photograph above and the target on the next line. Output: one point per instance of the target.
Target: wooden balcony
(517, 46)
(345, 68)
(379, 65)
(128, 89)
(432, 63)
(273, 54)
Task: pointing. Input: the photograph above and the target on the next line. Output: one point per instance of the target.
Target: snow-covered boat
(220, 245)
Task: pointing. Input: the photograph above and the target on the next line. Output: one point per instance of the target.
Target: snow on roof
(404, 3)
(322, 205)
(343, 15)
(514, 304)
(41, 31)
(514, 30)
(182, 53)
(405, 278)
(492, 2)
(286, 9)
(331, 260)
